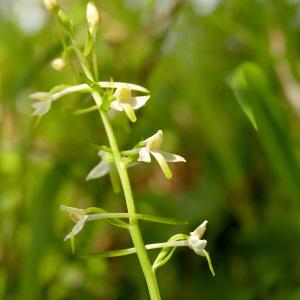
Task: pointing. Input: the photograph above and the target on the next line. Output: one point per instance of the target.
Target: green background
(245, 182)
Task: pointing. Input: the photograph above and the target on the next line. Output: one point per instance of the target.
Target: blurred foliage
(191, 55)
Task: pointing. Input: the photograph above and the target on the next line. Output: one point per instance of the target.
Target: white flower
(195, 242)
(101, 169)
(43, 103)
(126, 102)
(152, 146)
(78, 216)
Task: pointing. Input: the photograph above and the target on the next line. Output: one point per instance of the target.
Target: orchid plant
(118, 96)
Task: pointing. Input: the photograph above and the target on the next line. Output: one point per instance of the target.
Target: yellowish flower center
(154, 142)
(123, 93)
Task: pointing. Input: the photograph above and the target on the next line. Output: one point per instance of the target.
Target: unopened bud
(92, 16)
(58, 64)
(52, 6)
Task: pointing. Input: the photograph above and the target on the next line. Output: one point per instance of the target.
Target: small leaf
(113, 221)
(114, 253)
(155, 219)
(65, 22)
(240, 87)
(97, 147)
(92, 84)
(83, 111)
(88, 44)
(166, 253)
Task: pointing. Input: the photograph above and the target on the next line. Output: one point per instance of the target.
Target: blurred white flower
(101, 169)
(43, 103)
(78, 216)
(152, 146)
(126, 102)
(195, 242)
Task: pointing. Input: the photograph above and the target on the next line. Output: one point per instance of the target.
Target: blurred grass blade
(240, 90)
(251, 87)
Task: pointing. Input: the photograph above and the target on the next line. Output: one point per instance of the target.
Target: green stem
(134, 226)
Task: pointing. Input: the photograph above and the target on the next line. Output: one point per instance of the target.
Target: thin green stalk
(66, 50)
(95, 64)
(134, 228)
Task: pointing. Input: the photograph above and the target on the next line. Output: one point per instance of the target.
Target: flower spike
(152, 146)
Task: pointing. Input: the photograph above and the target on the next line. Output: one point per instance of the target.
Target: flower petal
(99, 170)
(144, 155)
(163, 164)
(170, 157)
(200, 230)
(40, 96)
(139, 101)
(77, 228)
(134, 87)
(116, 105)
(41, 107)
(129, 111)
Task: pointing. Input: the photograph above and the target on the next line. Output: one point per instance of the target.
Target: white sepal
(100, 170)
(144, 155)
